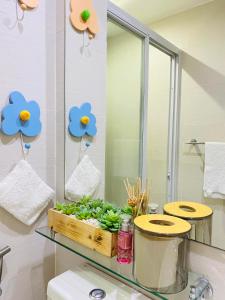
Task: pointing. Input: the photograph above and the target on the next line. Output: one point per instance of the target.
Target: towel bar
(195, 142)
(3, 252)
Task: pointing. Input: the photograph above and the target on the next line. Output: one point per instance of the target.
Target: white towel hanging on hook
(83, 181)
(24, 194)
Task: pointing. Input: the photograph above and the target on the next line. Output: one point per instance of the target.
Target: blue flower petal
(92, 119)
(85, 108)
(33, 108)
(17, 98)
(9, 126)
(75, 113)
(12, 111)
(31, 127)
(91, 128)
(76, 128)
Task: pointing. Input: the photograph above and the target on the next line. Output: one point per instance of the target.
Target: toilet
(85, 283)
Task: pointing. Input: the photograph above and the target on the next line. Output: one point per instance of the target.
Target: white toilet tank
(78, 283)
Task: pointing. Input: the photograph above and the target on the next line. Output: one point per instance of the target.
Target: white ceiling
(149, 11)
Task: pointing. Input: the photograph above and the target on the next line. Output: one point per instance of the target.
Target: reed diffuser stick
(138, 197)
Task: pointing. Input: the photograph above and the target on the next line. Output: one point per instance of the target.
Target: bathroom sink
(77, 284)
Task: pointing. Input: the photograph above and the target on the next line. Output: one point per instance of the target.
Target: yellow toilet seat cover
(162, 225)
(188, 210)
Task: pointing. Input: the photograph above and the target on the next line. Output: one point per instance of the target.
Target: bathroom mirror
(149, 133)
(201, 111)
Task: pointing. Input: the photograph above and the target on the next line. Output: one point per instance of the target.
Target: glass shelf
(110, 265)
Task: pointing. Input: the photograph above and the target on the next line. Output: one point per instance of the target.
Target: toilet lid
(188, 210)
(162, 225)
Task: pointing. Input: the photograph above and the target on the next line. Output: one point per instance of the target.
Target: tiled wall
(27, 64)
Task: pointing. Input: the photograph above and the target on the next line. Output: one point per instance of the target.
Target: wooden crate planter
(94, 238)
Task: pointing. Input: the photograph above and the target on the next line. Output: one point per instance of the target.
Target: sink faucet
(201, 289)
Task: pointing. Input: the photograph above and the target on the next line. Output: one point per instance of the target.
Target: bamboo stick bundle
(138, 196)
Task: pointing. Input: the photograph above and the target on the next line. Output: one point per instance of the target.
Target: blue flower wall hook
(82, 121)
(21, 116)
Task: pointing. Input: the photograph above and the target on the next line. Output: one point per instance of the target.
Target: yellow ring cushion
(162, 225)
(188, 210)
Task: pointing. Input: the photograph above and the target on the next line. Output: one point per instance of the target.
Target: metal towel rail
(195, 142)
(3, 252)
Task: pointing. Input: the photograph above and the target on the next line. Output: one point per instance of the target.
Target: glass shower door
(158, 125)
(124, 82)
(142, 119)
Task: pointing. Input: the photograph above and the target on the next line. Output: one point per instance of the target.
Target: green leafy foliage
(83, 214)
(97, 213)
(111, 221)
(96, 203)
(67, 209)
(127, 210)
(109, 216)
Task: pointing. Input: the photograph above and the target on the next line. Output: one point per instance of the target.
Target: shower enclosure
(141, 138)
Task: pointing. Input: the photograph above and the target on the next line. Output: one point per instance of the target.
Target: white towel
(24, 194)
(83, 181)
(214, 175)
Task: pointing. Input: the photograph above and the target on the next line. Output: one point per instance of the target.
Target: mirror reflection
(124, 84)
(199, 172)
(181, 165)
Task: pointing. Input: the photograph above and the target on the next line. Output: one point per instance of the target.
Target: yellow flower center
(85, 120)
(24, 115)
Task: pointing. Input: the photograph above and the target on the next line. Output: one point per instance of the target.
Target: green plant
(83, 214)
(110, 221)
(127, 210)
(96, 203)
(85, 200)
(109, 216)
(97, 213)
(59, 206)
(67, 209)
(108, 206)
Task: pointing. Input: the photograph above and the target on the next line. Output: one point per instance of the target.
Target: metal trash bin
(197, 214)
(160, 252)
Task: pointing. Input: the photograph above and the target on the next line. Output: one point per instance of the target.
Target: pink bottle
(124, 247)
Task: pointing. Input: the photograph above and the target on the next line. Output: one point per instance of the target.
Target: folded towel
(24, 194)
(83, 181)
(214, 175)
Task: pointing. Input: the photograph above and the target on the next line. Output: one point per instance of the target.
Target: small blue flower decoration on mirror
(82, 121)
(21, 116)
